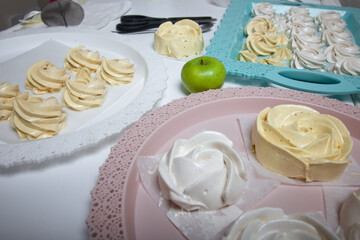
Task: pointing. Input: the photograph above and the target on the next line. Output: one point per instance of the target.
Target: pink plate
(121, 208)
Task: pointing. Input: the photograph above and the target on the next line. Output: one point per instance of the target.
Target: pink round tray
(121, 208)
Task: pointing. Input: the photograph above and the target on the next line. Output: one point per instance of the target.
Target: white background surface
(52, 200)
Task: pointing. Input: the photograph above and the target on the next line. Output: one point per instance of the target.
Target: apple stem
(201, 62)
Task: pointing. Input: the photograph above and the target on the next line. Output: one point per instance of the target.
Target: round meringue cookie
(8, 93)
(84, 93)
(350, 217)
(327, 15)
(202, 173)
(330, 37)
(305, 19)
(179, 40)
(44, 77)
(305, 40)
(309, 58)
(332, 24)
(116, 71)
(263, 9)
(273, 223)
(37, 118)
(261, 25)
(79, 58)
(346, 66)
(298, 142)
(338, 51)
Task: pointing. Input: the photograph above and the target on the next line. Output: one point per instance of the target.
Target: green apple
(203, 73)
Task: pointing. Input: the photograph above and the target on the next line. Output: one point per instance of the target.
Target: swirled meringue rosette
(297, 11)
(332, 24)
(84, 93)
(338, 51)
(262, 44)
(330, 37)
(37, 118)
(44, 77)
(273, 223)
(305, 40)
(309, 58)
(298, 142)
(263, 9)
(78, 58)
(202, 173)
(116, 71)
(261, 25)
(8, 93)
(327, 15)
(346, 66)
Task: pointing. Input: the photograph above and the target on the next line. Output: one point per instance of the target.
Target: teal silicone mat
(229, 38)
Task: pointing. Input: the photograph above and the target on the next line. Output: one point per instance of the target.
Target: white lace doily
(36, 151)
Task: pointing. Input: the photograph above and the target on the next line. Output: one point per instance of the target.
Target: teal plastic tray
(229, 38)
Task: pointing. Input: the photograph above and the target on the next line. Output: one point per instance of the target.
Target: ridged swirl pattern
(44, 77)
(37, 118)
(8, 93)
(202, 173)
(273, 223)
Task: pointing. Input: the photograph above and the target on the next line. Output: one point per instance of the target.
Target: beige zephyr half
(179, 40)
(298, 142)
(44, 77)
(78, 58)
(37, 118)
(8, 93)
(84, 93)
(116, 71)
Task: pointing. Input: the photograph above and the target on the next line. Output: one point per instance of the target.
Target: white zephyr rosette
(273, 223)
(202, 173)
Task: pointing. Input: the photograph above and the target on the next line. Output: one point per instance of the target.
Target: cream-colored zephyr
(298, 142)
(78, 58)
(84, 93)
(44, 77)
(37, 118)
(8, 93)
(116, 71)
(179, 40)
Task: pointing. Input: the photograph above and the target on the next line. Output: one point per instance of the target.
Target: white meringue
(306, 40)
(309, 58)
(330, 37)
(350, 217)
(346, 66)
(273, 223)
(202, 173)
(338, 51)
(263, 9)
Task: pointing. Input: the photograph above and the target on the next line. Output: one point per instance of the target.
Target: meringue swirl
(179, 40)
(261, 25)
(306, 40)
(338, 51)
(273, 223)
(299, 28)
(202, 173)
(37, 118)
(84, 93)
(297, 11)
(8, 93)
(309, 58)
(332, 24)
(263, 9)
(78, 58)
(350, 218)
(346, 66)
(261, 44)
(247, 56)
(44, 77)
(296, 141)
(283, 53)
(271, 61)
(116, 71)
(327, 15)
(330, 37)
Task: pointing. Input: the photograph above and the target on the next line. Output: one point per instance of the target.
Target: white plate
(123, 105)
